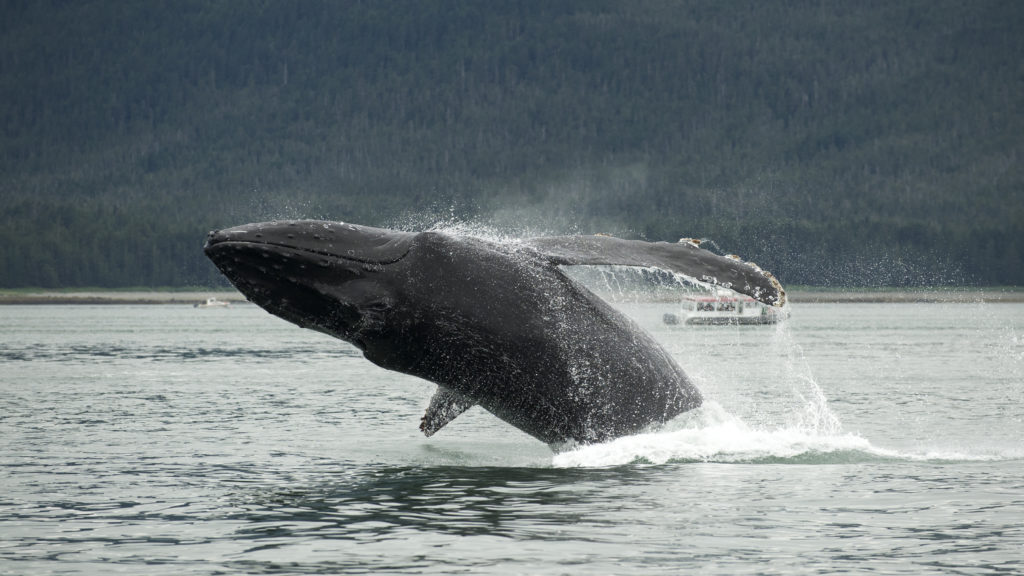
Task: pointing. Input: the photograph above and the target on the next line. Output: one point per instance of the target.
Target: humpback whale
(497, 325)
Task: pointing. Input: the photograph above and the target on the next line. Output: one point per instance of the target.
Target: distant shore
(119, 297)
(894, 295)
(797, 296)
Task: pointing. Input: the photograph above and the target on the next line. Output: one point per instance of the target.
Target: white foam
(710, 434)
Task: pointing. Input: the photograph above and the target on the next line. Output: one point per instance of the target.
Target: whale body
(497, 325)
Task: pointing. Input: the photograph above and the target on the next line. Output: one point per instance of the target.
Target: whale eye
(380, 305)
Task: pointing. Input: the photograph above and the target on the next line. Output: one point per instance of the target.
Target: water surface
(166, 439)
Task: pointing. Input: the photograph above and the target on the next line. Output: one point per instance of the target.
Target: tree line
(834, 143)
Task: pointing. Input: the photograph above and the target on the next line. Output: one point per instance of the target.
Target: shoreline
(896, 296)
(797, 296)
(115, 297)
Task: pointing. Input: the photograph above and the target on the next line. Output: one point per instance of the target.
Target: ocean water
(882, 438)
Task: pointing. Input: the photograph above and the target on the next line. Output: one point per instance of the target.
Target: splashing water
(813, 415)
(450, 223)
(711, 434)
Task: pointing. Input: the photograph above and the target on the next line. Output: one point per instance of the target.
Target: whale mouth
(302, 270)
(361, 244)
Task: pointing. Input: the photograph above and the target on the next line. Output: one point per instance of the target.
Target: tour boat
(724, 307)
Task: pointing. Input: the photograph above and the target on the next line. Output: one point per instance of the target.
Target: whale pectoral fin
(444, 407)
(684, 257)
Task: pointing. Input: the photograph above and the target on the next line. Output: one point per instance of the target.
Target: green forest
(835, 143)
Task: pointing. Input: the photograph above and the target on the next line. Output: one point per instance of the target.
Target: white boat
(724, 308)
(213, 303)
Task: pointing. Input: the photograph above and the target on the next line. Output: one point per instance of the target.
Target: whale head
(327, 276)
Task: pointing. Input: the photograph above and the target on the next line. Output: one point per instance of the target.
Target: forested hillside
(834, 143)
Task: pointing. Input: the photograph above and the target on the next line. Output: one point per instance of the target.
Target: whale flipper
(445, 406)
(684, 257)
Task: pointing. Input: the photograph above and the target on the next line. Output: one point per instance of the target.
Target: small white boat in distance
(725, 307)
(213, 303)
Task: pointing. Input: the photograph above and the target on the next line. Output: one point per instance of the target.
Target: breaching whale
(492, 324)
